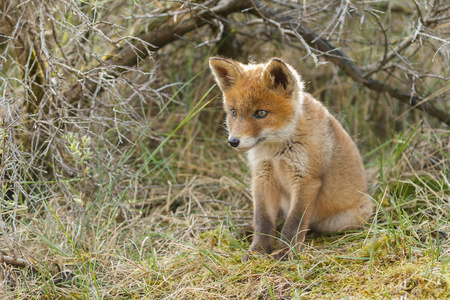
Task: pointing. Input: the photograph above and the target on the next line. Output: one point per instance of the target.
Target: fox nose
(234, 142)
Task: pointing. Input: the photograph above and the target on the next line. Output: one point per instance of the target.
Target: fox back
(305, 168)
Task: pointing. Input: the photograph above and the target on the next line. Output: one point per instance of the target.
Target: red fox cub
(305, 168)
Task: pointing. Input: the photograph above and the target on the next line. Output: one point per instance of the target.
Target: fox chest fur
(305, 167)
(280, 167)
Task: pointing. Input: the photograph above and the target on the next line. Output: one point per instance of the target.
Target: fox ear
(277, 75)
(226, 72)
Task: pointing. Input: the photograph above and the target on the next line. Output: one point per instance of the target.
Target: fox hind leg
(349, 219)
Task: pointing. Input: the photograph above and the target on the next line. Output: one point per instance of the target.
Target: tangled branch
(341, 60)
(130, 55)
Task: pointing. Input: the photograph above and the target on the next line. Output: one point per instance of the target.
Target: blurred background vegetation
(115, 172)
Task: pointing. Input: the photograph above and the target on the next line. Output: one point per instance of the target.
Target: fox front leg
(297, 224)
(266, 197)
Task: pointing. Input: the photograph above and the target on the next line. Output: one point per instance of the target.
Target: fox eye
(260, 114)
(233, 112)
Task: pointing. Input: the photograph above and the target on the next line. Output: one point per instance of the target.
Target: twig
(355, 72)
(130, 55)
(13, 261)
(285, 31)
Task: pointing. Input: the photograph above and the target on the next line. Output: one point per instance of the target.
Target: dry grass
(132, 192)
(184, 246)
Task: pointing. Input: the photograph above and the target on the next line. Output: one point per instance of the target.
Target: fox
(305, 168)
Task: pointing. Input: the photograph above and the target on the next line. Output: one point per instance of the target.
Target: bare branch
(13, 261)
(336, 56)
(130, 55)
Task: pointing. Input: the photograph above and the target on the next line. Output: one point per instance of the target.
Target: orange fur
(305, 167)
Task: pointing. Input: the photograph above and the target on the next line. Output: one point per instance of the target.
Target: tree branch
(12, 261)
(337, 57)
(130, 55)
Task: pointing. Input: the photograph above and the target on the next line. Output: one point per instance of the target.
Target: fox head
(262, 101)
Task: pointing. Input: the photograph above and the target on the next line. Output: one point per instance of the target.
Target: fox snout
(244, 142)
(234, 142)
